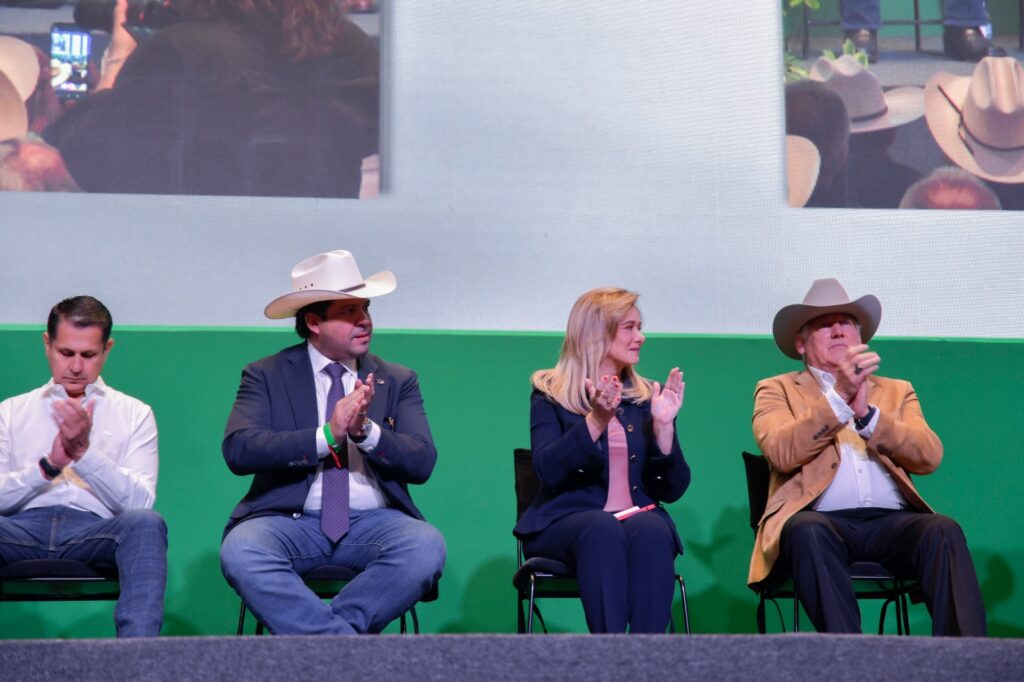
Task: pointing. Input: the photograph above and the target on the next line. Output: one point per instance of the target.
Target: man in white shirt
(842, 442)
(78, 469)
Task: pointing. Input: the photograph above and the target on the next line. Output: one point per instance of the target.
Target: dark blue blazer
(271, 433)
(573, 469)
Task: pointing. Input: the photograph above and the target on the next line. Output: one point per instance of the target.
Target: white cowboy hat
(869, 108)
(19, 63)
(978, 120)
(824, 297)
(13, 115)
(802, 165)
(327, 277)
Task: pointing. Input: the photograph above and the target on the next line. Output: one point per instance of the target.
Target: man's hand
(857, 366)
(367, 387)
(74, 423)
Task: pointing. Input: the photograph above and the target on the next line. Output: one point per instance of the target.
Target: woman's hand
(605, 397)
(665, 404)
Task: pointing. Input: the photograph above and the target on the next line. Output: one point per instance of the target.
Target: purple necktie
(334, 491)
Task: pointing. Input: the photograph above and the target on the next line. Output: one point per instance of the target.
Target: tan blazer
(795, 428)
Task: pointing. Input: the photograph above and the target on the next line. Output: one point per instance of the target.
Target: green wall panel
(476, 387)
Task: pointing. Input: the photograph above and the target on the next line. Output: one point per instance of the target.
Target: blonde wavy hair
(593, 324)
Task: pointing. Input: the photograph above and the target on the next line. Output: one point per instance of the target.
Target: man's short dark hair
(319, 309)
(80, 311)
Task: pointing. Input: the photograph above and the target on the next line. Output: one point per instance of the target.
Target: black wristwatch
(364, 432)
(47, 466)
(862, 422)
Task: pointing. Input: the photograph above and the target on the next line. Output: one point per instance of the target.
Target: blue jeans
(859, 14)
(135, 541)
(399, 559)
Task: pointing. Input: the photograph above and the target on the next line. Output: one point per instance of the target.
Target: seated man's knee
(144, 522)
(939, 528)
(805, 528)
(431, 550)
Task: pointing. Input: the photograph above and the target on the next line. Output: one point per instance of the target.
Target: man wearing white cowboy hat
(332, 436)
(978, 120)
(842, 443)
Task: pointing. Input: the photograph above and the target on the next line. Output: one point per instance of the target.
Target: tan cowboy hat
(19, 63)
(978, 120)
(869, 108)
(824, 297)
(13, 115)
(327, 277)
(802, 165)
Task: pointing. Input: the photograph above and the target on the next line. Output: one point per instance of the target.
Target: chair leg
(761, 626)
(881, 617)
(917, 25)
(796, 614)
(520, 615)
(807, 32)
(401, 625)
(241, 620)
(529, 618)
(415, 621)
(905, 609)
(686, 608)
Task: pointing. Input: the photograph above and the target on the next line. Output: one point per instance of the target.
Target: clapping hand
(665, 402)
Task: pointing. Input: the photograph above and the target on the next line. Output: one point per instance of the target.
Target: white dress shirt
(363, 490)
(861, 480)
(117, 472)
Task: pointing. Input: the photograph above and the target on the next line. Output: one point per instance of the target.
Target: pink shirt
(619, 497)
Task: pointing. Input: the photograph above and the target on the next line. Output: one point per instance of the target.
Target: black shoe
(967, 44)
(866, 40)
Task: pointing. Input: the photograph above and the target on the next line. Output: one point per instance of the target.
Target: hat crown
(330, 271)
(826, 292)
(993, 111)
(859, 89)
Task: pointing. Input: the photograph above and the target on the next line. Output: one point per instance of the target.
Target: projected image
(205, 97)
(877, 117)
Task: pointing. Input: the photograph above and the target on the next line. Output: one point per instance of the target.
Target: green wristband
(331, 443)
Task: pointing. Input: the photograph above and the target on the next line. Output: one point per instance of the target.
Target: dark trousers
(625, 569)
(867, 13)
(818, 548)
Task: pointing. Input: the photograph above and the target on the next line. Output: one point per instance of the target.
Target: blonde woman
(604, 441)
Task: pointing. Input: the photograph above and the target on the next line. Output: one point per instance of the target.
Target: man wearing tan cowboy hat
(332, 436)
(842, 443)
(874, 179)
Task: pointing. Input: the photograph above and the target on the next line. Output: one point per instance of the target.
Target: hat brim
(904, 105)
(867, 310)
(19, 63)
(803, 162)
(286, 306)
(13, 115)
(944, 123)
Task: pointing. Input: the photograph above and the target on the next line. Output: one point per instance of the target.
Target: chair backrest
(527, 483)
(758, 475)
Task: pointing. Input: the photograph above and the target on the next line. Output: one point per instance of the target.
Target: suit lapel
(378, 408)
(300, 388)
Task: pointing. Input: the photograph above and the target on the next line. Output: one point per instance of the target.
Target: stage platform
(837, 658)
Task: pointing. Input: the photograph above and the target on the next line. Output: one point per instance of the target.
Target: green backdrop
(1005, 16)
(476, 387)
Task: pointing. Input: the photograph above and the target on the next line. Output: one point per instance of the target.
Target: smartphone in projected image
(70, 47)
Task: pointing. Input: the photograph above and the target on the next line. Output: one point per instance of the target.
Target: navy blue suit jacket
(271, 433)
(573, 469)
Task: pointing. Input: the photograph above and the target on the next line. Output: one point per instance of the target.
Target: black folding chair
(544, 578)
(326, 582)
(871, 580)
